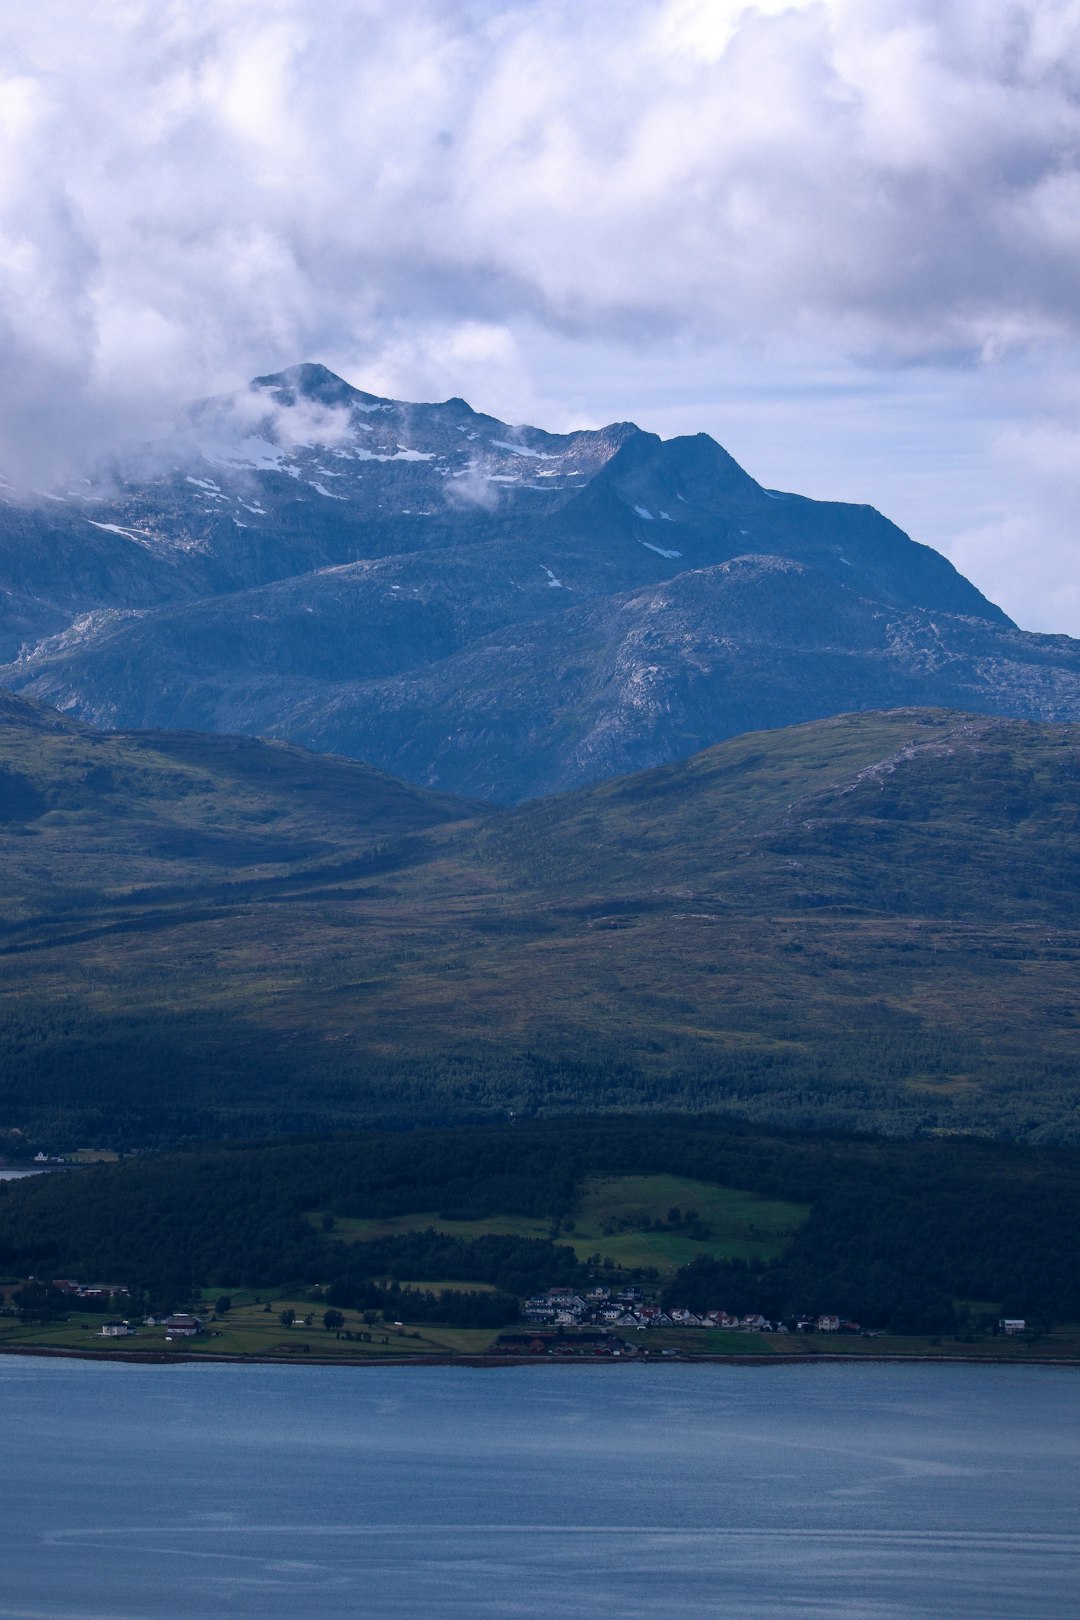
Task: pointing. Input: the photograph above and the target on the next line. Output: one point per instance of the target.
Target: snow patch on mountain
(522, 450)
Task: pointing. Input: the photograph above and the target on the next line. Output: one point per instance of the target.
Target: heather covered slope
(93, 820)
(867, 921)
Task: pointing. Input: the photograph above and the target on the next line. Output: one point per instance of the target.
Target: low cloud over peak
(189, 196)
(432, 196)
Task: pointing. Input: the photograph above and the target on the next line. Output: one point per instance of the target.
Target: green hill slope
(864, 922)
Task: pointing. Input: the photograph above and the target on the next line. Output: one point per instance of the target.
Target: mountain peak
(312, 381)
(692, 469)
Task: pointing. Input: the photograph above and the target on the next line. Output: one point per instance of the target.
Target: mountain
(487, 610)
(863, 922)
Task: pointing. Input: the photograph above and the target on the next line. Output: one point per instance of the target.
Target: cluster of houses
(91, 1294)
(181, 1325)
(627, 1308)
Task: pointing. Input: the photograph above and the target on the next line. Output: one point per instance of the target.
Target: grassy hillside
(866, 921)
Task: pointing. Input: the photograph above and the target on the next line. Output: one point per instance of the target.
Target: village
(560, 1321)
(629, 1308)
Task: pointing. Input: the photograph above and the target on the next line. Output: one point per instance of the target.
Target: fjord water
(446, 1492)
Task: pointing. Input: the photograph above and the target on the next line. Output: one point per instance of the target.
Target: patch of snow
(521, 450)
(643, 511)
(660, 552)
(401, 454)
(256, 453)
(667, 517)
(293, 472)
(46, 496)
(139, 536)
(240, 525)
(202, 483)
(556, 584)
(744, 531)
(501, 478)
(320, 489)
(775, 495)
(681, 498)
(261, 510)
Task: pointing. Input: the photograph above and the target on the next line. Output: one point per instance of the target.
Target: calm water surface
(793, 1492)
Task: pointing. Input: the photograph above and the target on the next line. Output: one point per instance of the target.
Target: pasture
(625, 1220)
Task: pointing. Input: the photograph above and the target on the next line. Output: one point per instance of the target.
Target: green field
(248, 1330)
(615, 1220)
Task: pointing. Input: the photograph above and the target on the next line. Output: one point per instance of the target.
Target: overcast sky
(843, 236)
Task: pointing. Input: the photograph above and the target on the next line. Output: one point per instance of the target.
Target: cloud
(466, 196)
(190, 194)
(1028, 547)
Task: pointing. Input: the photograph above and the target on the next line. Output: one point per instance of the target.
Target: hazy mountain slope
(514, 701)
(493, 609)
(867, 921)
(550, 701)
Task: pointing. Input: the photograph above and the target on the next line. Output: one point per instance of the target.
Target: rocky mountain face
(488, 610)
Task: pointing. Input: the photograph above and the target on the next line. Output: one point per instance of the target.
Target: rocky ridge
(486, 609)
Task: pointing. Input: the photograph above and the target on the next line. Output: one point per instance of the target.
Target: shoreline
(779, 1359)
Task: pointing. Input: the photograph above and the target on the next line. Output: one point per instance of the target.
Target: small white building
(116, 1330)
